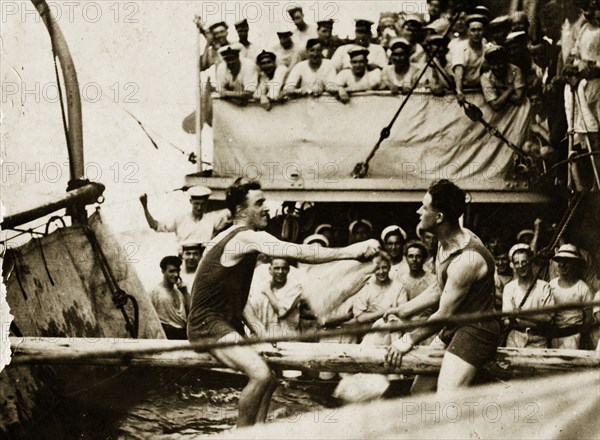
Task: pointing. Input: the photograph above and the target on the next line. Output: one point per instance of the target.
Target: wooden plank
(350, 358)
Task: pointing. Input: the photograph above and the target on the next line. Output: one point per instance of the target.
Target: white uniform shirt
(369, 81)
(188, 229)
(578, 292)
(471, 60)
(305, 78)
(246, 80)
(377, 56)
(169, 305)
(374, 297)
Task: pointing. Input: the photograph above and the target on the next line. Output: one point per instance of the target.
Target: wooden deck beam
(349, 358)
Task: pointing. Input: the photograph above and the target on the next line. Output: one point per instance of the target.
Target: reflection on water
(203, 404)
(175, 404)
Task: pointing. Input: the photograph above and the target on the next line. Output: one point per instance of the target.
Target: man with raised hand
(196, 225)
(465, 275)
(223, 281)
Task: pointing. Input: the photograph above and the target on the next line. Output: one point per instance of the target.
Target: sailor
(216, 37)
(272, 311)
(498, 29)
(329, 42)
(465, 273)
(467, 56)
(519, 55)
(237, 78)
(411, 31)
(360, 230)
(401, 75)
(436, 11)
(526, 235)
(526, 331)
(503, 274)
(417, 279)
(270, 80)
(379, 294)
(519, 22)
(393, 238)
(319, 239)
(386, 29)
(223, 281)
(439, 77)
(286, 51)
(430, 242)
(313, 76)
(169, 301)
(568, 287)
(195, 226)
(358, 78)
(377, 58)
(304, 31)
(248, 50)
(328, 231)
(503, 83)
(191, 252)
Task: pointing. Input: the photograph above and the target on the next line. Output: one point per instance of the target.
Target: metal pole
(199, 94)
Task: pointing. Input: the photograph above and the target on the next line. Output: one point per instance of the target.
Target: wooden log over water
(349, 358)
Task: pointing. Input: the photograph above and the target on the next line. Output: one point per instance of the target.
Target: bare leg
(427, 384)
(263, 410)
(455, 373)
(261, 381)
(424, 384)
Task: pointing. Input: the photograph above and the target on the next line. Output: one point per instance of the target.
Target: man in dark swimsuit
(465, 271)
(223, 281)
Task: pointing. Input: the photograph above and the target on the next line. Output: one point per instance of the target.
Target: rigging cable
(58, 82)
(362, 168)
(545, 255)
(119, 296)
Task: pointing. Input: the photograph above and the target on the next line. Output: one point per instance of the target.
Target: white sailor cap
(518, 247)
(524, 232)
(356, 222)
(393, 229)
(518, 37)
(199, 192)
(568, 252)
(190, 245)
(316, 238)
(319, 228)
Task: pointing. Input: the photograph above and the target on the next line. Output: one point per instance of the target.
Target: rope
(311, 336)
(119, 296)
(362, 168)
(544, 254)
(588, 147)
(475, 114)
(39, 243)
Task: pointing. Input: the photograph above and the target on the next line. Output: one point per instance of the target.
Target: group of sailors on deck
(310, 59)
(402, 271)
(551, 60)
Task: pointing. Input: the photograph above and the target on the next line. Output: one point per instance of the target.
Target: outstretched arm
(265, 243)
(151, 221)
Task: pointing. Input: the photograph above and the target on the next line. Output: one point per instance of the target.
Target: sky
(131, 56)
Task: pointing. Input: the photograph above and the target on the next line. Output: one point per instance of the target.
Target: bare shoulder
(467, 267)
(249, 241)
